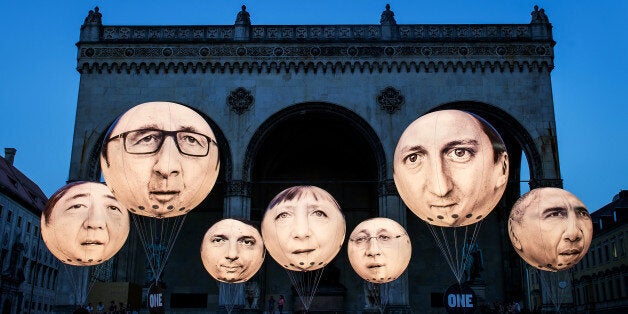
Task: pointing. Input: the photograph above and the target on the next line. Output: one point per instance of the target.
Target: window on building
(9, 216)
(618, 291)
(606, 253)
(611, 293)
(28, 227)
(599, 255)
(36, 229)
(622, 251)
(614, 253)
(19, 221)
(593, 257)
(1, 211)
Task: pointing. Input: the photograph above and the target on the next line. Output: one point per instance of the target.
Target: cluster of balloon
(160, 160)
(551, 230)
(303, 230)
(232, 252)
(451, 169)
(379, 251)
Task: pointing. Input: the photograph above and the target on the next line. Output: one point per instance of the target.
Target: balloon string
(173, 238)
(441, 247)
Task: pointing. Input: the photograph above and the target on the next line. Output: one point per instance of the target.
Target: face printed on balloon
(160, 159)
(550, 229)
(450, 168)
(303, 228)
(232, 251)
(379, 250)
(83, 224)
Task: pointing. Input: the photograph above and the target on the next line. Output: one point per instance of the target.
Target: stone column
(391, 206)
(237, 205)
(237, 200)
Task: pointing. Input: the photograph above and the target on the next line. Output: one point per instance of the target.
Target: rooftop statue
(93, 17)
(243, 17)
(539, 16)
(388, 16)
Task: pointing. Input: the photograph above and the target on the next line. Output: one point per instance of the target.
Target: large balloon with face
(83, 224)
(160, 159)
(450, 168)
(379, 250)
(550, 229)
(232, 251)
(303, 228)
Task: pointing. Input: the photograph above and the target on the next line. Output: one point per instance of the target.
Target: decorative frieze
(258, 33)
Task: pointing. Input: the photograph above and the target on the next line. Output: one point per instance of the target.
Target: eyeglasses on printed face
(382, 239)
(148, 141)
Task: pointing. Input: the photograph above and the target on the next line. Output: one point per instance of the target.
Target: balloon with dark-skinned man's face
(450, 168)
(232, 251)
(379, 250)
(83, 224)
(550, 229)
(303, 228)
(160, 159)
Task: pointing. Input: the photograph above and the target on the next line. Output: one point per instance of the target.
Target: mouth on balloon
(570, 252)
(163, 196)
(91, 243)
(302, 251)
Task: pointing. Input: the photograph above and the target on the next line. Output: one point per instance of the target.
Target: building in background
(323, 105)
(29, 271)
(601, 278)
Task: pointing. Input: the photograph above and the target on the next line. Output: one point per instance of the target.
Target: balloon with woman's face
(450, 168)
(303, 228)
(550, 229)
(232, 251)
(83, 224)
(160, 159)
(379, 250)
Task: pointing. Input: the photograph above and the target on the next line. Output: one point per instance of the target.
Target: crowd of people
(100, 308)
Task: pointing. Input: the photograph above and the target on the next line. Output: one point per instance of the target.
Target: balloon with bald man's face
(232, 251)
(160, 159)
(550, 229)
(379, 250)
(83, 224)
(303, 228)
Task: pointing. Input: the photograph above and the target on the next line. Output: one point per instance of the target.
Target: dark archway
(316, 144)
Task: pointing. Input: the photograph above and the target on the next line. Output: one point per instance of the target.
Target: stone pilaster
(391, 206)
(237, 200)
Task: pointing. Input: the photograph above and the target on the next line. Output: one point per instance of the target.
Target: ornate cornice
(324, 33)
(335, 48)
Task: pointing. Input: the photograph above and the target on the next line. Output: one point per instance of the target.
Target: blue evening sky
(39, 82)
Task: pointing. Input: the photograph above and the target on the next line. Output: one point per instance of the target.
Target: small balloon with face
(303, 228)
(83, 224)
(550, 229)
(232, 251)
(379, 250)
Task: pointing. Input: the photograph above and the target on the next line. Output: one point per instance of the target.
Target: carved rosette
(240, 100)
(390, 99)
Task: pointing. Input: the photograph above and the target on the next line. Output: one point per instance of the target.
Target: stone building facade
(29, 271)
(601, 278)
(323, 105)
